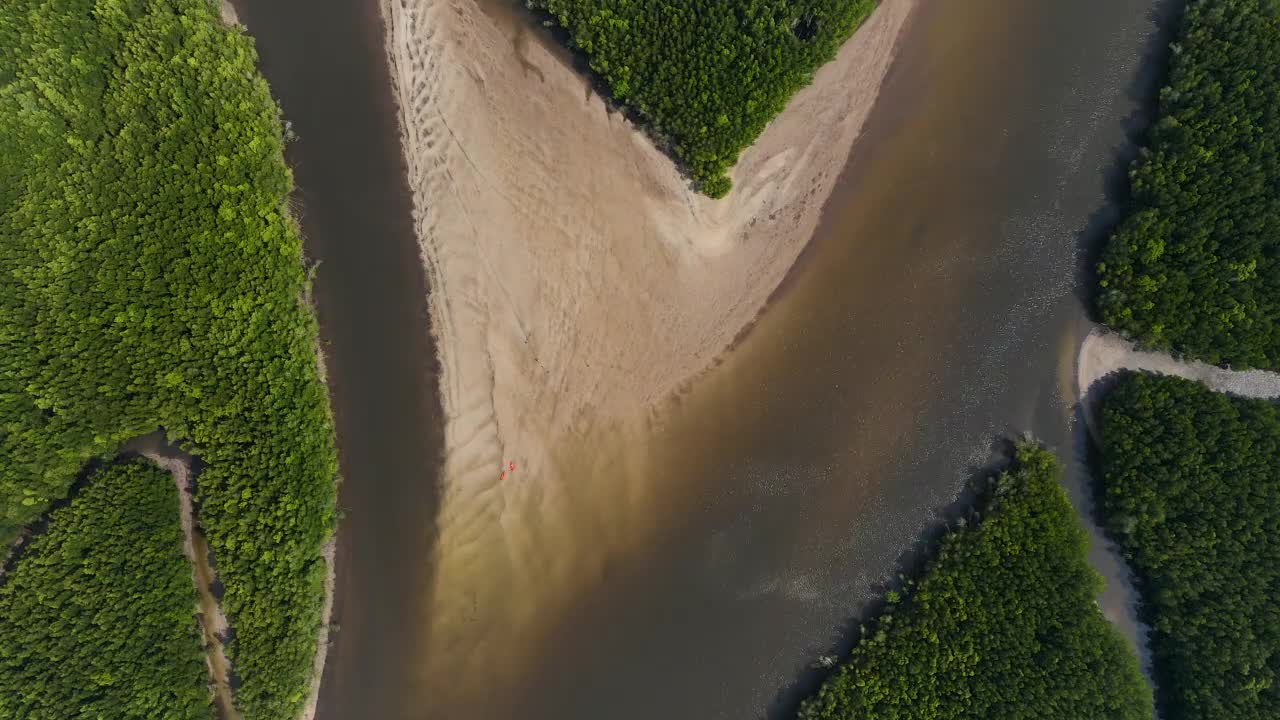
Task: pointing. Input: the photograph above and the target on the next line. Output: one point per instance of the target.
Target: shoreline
(328, 556)
(328, 553)
(351, 207)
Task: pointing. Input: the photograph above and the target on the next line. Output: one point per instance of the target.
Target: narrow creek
(939, 309)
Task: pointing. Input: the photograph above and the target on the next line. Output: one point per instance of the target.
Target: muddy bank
(213, 623)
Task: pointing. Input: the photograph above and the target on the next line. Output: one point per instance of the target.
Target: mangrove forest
(707, 75)
(152, 278)
(97, 616)
(1002, 624)
(1191, 489)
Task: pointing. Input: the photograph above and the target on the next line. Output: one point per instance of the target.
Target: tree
(707, 75)
(150, 277)
(97, 617)
(1003, 623)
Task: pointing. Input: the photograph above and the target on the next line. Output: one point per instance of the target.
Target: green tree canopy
(1002, 625)
(1192, 490)
(97, 619)
(707, 74)
(1195, 267)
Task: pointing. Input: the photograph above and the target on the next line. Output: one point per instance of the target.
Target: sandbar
(577, 284)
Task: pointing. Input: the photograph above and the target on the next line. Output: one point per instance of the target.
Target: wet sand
(577, 277)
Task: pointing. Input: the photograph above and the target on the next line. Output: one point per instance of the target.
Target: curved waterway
(939, 309)
(326, 65)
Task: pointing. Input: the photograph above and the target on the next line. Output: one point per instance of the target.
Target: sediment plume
(577, 282)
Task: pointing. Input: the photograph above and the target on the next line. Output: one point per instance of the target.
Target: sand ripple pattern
(577, 283)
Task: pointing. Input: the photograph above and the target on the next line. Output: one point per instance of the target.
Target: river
(938, 310)
(326, 65)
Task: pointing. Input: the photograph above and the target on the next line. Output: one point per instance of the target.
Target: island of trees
(707, 75)
(1195, 268)
(1002, 624)
(1192, 477)
(1192, 492)
(150, 277)
(96, 615)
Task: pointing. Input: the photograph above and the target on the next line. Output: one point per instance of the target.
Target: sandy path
(1104, 353)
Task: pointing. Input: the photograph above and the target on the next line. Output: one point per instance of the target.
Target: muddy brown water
(938, 309)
